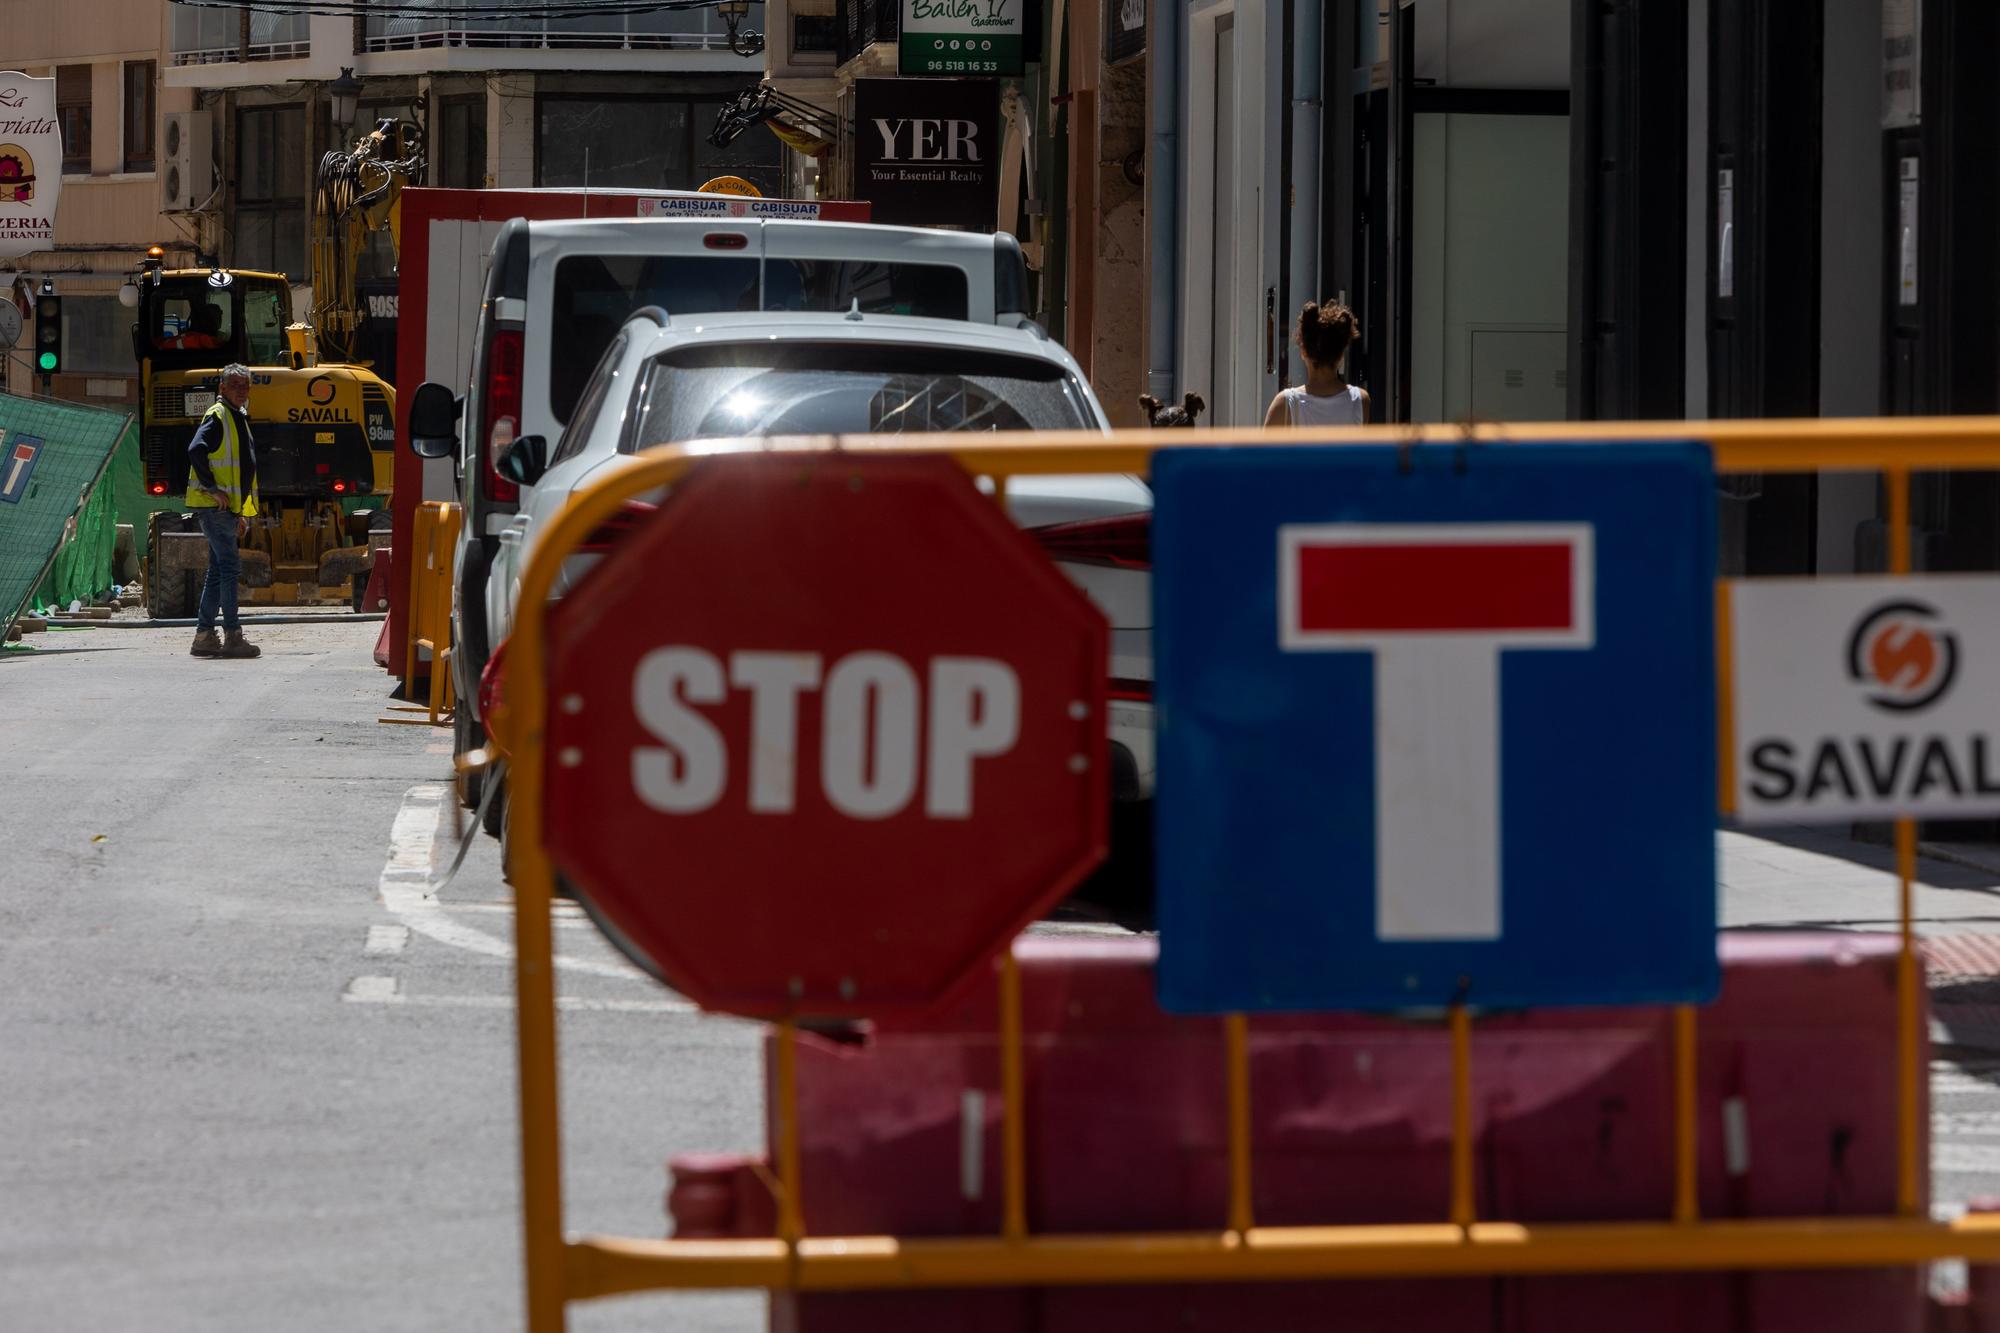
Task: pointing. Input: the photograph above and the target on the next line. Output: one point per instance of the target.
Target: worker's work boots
(235, 645)
(206, 644)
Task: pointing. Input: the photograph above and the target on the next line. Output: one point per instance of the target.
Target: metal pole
(1463, 1212)
(791, 1216)
(1236, 1035)
(1687, 1207)
(1909, 1041)
(1013, 1136)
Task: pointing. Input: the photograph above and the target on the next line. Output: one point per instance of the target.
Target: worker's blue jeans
(218, 590)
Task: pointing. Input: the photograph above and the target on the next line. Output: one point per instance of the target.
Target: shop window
(97, 336)
(813, 34)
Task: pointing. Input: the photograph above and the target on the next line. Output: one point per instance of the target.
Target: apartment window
(648, 143)
(461, 142)
(271, 190)
(73, 114)
(139, 115)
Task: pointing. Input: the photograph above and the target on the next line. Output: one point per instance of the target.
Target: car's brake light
(1123, 690)
(501, 409)
(1125, 541)
(726, 240)
(615, 529)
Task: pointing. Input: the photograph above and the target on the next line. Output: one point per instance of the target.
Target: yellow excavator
(324, 423)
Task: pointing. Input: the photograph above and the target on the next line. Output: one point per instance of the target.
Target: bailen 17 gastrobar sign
(976, 37)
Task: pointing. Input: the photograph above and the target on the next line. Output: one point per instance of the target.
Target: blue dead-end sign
(1436, 725)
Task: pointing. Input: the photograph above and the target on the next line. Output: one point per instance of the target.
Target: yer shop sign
(1865, 698)
(959, 37)
(926, 152)
(30, 164)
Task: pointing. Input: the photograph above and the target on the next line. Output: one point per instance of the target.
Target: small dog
(1159, 415)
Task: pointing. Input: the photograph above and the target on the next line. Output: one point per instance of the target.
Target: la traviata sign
(30, 164)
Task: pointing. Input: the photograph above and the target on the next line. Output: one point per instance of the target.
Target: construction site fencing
(562, 1268)
(52, 459)
(427, 641)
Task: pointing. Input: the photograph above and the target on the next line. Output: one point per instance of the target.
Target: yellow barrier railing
(433, 551)
(561, 1270)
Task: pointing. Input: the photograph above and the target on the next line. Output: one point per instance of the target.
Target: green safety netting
(53, 457)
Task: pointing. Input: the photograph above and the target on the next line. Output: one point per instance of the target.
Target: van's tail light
(500, 409)
(493, 680)
(616, 528)
(1125, 541)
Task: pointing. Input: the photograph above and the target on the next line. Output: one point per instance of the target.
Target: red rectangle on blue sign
(1420, 588)
(17, 467)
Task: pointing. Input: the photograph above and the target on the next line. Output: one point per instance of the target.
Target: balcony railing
(858, 24)
(668, 30)
(214, 36)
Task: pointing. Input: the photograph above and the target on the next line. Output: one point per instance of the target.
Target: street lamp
(734, 12)
(345, 93)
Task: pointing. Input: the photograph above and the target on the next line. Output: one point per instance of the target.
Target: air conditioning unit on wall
(187, 164)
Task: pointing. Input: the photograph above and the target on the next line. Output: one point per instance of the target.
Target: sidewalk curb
(1972, 856)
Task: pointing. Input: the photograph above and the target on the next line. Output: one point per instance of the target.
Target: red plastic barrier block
(1351, 1125)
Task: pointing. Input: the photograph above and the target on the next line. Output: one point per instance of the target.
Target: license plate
(199, 401)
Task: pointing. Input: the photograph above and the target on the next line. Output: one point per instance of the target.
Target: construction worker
(223, 497)
(205, 328)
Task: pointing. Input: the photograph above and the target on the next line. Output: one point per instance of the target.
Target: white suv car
(664, 380)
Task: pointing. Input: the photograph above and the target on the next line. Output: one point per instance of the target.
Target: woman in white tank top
(1326, 398)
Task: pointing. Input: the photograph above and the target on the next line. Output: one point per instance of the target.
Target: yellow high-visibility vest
(227, 465)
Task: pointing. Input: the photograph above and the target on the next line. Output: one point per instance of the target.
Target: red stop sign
(824, 734)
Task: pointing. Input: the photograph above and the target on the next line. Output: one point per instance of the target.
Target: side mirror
(434, 421)
(526, 460)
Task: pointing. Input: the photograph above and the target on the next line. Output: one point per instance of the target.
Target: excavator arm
(355, 194)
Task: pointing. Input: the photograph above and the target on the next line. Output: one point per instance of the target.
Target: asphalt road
(251, 1079)
(215, 1113)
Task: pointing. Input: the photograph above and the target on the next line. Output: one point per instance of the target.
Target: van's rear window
(594, 294)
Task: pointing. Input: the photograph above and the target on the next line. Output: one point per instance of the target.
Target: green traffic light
(48, 361)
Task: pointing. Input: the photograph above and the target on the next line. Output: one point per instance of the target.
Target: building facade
(625, 100)
(199, 128)
(106, 57)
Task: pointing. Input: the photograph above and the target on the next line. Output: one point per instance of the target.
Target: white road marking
(1965, 1124)
(563, 913)
(385, 940)
(374, 993)
(373, 990)
(1976, 1159)
(405, 888)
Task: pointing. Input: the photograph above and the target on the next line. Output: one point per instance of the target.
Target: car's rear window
(594, 294)
(851, 387)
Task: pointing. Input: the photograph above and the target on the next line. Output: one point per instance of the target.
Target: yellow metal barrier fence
(561, 1270)
(433, 551)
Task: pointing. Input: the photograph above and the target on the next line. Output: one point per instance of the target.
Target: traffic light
(48, 332)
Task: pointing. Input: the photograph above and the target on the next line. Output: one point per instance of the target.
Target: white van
(556, 293)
